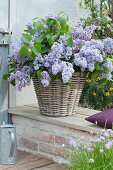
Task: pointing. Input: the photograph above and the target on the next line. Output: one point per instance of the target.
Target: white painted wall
(3, 13)
(22, 12)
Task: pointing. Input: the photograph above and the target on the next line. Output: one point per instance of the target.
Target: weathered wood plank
(35, 164)
(27, 162)
(53, 167)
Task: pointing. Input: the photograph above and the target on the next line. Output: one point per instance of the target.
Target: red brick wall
(44, 139)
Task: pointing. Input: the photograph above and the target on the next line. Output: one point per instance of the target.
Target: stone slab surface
(76, 121)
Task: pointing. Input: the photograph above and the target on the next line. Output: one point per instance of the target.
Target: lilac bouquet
(51, 49)
(96, 154)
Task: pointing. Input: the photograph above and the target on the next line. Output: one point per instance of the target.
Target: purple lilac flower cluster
(16, 56)
(53, 61)
(22, 77)
(21, 73)
(81, 35)
(95, 51)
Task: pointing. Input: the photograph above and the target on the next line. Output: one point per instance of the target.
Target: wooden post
(112, 12)
(3, 70)
(100, 8)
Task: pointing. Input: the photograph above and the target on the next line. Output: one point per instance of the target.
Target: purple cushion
(102, 118)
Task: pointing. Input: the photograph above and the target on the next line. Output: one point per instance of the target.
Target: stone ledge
(76, 121)
(44, 136)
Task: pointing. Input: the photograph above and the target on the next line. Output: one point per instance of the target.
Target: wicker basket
(59, 99)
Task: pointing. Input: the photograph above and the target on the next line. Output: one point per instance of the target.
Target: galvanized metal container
(8, 144)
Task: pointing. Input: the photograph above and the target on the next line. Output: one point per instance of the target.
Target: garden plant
(100, 15)
(97, 154)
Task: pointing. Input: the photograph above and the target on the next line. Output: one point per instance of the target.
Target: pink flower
(61, 161)
(82, 137)
(101, 150)
(63, 145)
(102, 138)
(89, 149)
(72, 143)
(91, 160)
(110, 131)
(103, 130)
(91, 132)
(85, 146)
(107, 146)
(98, 140)
(92, 140)
(106, 134)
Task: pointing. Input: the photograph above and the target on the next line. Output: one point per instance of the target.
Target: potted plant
(58, 56)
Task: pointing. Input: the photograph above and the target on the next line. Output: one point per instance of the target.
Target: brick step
(44, 136)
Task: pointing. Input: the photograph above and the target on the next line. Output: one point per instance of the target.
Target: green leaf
(26, 31)
(32, 55)
(26, 37)
(104, 82)
(67, 18)
(68, 83)
(107, 71)
(31, 64)
(60, 13)
(35, 18)
(44, 21)
(45, 49)
(38, 39)
(58, 26)
(24, 51)
(70, 30)
(51, 40)
(62, 21)
(5, 76)
(57, 35)
(97, 67)
(67, 27)
(38, 24)
(13, 82)
(39, 74)
(94, 75)
(49, 35)
(36, 49)
(32, 32)
(70, 41)
(56, 77)
(51, 22)
(10, 63)
(80, 46)
(35, 73)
